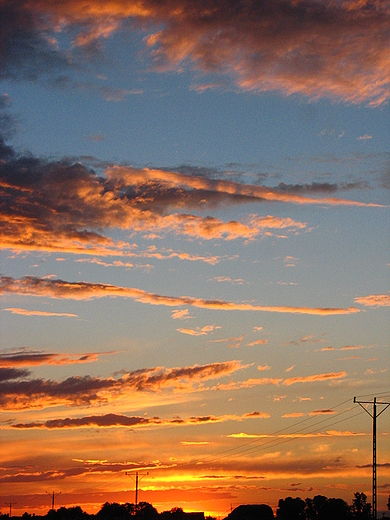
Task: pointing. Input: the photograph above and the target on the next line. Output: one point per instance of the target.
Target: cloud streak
(112, 420)
(26, 312)
(34, 286)
(315, 378)
(37, 358)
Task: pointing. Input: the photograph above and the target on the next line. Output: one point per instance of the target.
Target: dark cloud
(10, 374)
(8, 124)
(119, 420)
(41, 476)
(26, 49)
(107, 420)
(321, 187)
(35, 358)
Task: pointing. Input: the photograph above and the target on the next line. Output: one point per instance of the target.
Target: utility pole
(374, 416)
(10, 504)
(138, 478)
(53, 496)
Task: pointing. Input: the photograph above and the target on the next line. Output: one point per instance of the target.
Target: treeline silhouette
(289, 508)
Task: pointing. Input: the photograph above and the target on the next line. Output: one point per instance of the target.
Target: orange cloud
(181, 314)
(322, 412)
(18, 392)
(263, 367)
(199, 331)
(315, 378)
(36, 358)
(249, 383)
(26, 312)
(30, 285)
(243, 435)
(257, 415)
(329, 49)
(356, 347)
(374, 300)
(257, 342)
(64, 207)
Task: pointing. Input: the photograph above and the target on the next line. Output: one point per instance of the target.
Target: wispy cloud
(243, 435)
(36, 358)
(288, 369)
(322, 412)
(263, 367)
(199, 331)
(181, 314)
(26, 312)
(257, 342)
(257, 415)
(374, 300)
(227, 279)
(30, 285)
(249, 383)
(315, 378)
(345, 348)
(356, 347)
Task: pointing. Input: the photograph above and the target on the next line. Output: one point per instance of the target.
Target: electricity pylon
(53, 496)
(10, 504)
(373, 415)
(136, 480)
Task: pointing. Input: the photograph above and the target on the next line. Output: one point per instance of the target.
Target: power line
(244, 446)
(275, 440)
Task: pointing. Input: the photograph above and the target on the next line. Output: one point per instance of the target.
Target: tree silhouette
(67, 513)
(291, 509)
(323, 508)
(360, 509)
(115, 511)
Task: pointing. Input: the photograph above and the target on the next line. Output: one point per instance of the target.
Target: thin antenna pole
(138, 478)
(374, 416)
(53, 496)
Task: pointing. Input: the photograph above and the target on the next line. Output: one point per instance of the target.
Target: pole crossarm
(378, 403)
(53, 496)
(373, 416)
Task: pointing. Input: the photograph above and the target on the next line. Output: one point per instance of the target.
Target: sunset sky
(195, 239)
